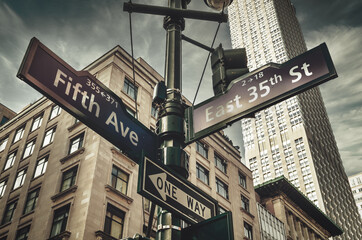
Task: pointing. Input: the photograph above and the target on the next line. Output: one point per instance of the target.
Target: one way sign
(170, 192)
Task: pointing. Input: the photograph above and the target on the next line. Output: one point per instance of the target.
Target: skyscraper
(293, 138)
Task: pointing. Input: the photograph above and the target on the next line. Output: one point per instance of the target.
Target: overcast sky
(83, 30)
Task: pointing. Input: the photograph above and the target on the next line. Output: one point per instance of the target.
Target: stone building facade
(301, 218)
(60, 180)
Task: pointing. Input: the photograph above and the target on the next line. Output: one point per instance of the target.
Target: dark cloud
(342, 96)
(83, 30)
(314, 15)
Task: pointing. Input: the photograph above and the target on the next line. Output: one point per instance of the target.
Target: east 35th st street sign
(178, 196)
(87, 99)
(259, 89)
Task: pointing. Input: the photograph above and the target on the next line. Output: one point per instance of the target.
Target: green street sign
(219, 227)
(258, 90)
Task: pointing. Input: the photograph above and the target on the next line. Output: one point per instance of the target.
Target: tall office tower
(293, 138)
(61, 180)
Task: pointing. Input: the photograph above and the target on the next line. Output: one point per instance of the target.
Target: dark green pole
(171, 120)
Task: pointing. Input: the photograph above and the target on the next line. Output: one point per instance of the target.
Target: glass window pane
(2, 188)
(76, 143)
(130, 89)
(9, 212)
(37, 123)
(19, 134)
(22, 234)
(3, 143)
(55, 112)
(41, 167)
(68, 179)
(29, 149)
(59, 220)
(116, 230)
(119, 180)
(114, 222)
(10, 160)
(49, 137)
(20, 178)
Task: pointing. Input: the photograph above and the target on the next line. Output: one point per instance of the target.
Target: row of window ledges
(119, 181)
(41, 165)
(113, 224)
(36, 124)
(68, 180)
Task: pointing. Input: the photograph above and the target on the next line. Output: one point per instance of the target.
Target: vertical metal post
(171, 120)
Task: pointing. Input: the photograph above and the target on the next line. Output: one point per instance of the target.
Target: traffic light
(227, 65)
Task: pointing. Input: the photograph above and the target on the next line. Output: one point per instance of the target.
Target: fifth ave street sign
(87, 99)
(260, 89)
(176, 195)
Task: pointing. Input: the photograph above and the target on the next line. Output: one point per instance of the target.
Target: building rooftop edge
(23, 112)
(139, 61)
(8, 108)
(281, 184)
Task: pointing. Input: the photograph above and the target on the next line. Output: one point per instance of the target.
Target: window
(76, 143)
(59, 220)
(36, 123)
(41, 166)
(20, 178)
(68, 179)
(131, 112)
(31, 200)
(222, 210)
(222, 188)
(55, 112)
(19, 134)
(248, 231)
(154, 111)
(4, 120)
(245, 203)
(202, 149)
(147, 204)
(29, 149)
(242, 180)
(130, 89)
(2, 187)
(49, 137)
(9, 212)
(114, 222)
(10, 160)
(22, 234)
(202, 173)
(220, 163)
(3, 143)
(119, 180)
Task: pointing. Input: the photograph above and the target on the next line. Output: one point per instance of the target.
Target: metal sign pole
(171, 120)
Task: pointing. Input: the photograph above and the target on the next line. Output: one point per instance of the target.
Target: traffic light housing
(227, 65)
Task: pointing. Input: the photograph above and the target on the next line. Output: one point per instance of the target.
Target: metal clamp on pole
(164, 227)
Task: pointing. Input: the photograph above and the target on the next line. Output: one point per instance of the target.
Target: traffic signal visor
(226, 66)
